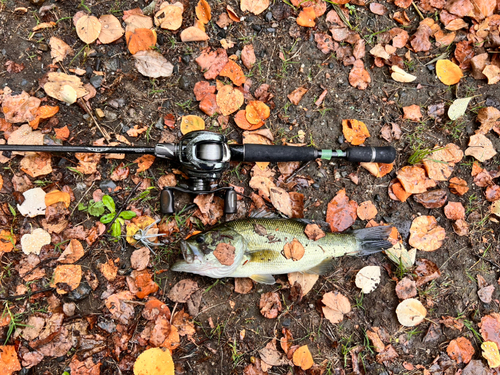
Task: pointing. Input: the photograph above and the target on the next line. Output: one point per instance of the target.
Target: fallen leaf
(460, 350)
(359, 76)
(59, 50)
(234, 72)
(296, 95)
(378, 9)
(34, 203)
(243, 285)
(355, 132)
(306, 17)
(271, 356)
(7, 241)
(32, 243)
(224, 253)
(406, 288)
(454, 211)
(378, 169)
(399, 75)
(379, 51)
(387, 355)
(36, 164)
(20, 108)
(181, 291)
(492, 72)
(366, 210)
(257, 112)
(280, 199)
(193, 34)
(137, 21)
(141, 39)
(169, 16)
(241, 121)
(44, 25)
(111, 29)
(144, 162)
(191, 123)
(73, 252)
(152, 64)
(420, 40)
(341, 212)
(426, 234)
(56, 196)
(13, 68)
(305, 280)
(202, 89)
(412, 113)
(248, 56)
(412, 179)
(108, 270)
(88, 28)
(294, 250)
(491, 354)
(378, 345)
(9, 363)
(410, 312)
(368, 278)
(141, 283)
(448, 72)
(485, 293)
(154, 361)
(229, 99)
(432, 199)
(203, 11)
(480, 147)
(490, 328)
(458, 107)
(302, 357)
(64, 87)
(212, 62)
(336, 306)
(254, 6)
(314, 232)
(270, 305)
(139, 259)
(66, 278)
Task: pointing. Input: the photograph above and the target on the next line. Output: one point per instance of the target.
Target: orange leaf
(306, 17)
(56, 196)
(140, 40)
(203, 88)
(355, 132)
(359, 76)
(367, 210)
(229, 99)
(169, 17)
(203, 11)
(47, 111)
(257, 111)
(144, 283)
(9, 363)
(7, 241)
(144, 162)
(111, 29)
(341, 212)
(62, 133)
(88, 28)
(66, 278)
(193, 34)
(191, 123)
(234, 72)
(448, 72)
(461, 350)
(154, 361)
(426, 234)
(241, 120)
(294, 250)
(302, 356)
(72, 253)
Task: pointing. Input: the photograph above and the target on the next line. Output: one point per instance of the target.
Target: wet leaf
(448, 72)
(202, 89)
(88, 28)
(9, 363)
(305, 280)
(56, 196)
(270, 305)
(491, 354)
(399, 75)
(34, 203)
(359, 76)
(191, 123)
(7, 241)
(243, 285)
(426, 234)
(193, 34)
(254, 6)
(13, 68)
(480, 147)
(66, 278)
(366, 210)
(111, 29)
(257, 112)
(294, 250)
(460, 350)
(492, 72)
(73, 252)
(212, 62)
(59, 50)
(454, 211)
(302, 357)
(64, 87)
(108, 270)
(378, 169)
(368, 278)
(378, 9)
(234, 72)
(144, 162)
(306, 17)
(410, 312)
(490, 328)
(355, 132)
(248, 56)
(271, 356)
(412, 113)
(280, 199)
(229, 99)
(137, 21)
(203, 11)
(336, 306)
(420, 40)
(314, 232)
(426, 271)
(20, 108)
(413, 179)
(36, 164)
(181, 291)
(241, 120)
(140, 39)
(341, 212)
(406, 288)
(485, 293)
(169, 16)
(296, 95)
(432, 199)
(152, 64)
(224, 253)
(378, 345)
(32, 243)
(458, 108)
(154, 361)
(141, 283)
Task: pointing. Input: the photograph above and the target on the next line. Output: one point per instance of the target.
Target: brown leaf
(144, 162)
(248, 56)
(208, 105)
(432, 199)
(8, 359)
(88, 28)
(280, 199)
(341, 212)
(169, 16)
(270, 305)
(426, 271)
(234, 72)
(412, 113)
(485, 293)
(36, 164)
(487, 116)
(461, 350)
(420, 40)
(397, 192)
(480, 147)
(336, 306)
(378, 169)
(458, 186)
(426, 234)
(413, 179)
(72, 253)
(120, 307)
(111, 29)
(406, 288)
(202, 89)
(193, 34)
(464, 52)
(59, 50)
(490, 328)
(141, 39)
(254, 6)
(210, 208)
(20, 108)
(296, 95)
(492, 193)
(387, 355)
(378, 345)
(212, 62)
(305, 280)
(181, 291)
(243, 285)
(66, 278)
(454, 211)
(139, 259)
(294, 250)
(108, 270)
(224, 253)
(359, 76)
(461, 228)
(314, 232)
(141, 283)
(378, 9)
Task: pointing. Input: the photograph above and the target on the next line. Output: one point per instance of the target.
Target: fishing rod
(204, 156)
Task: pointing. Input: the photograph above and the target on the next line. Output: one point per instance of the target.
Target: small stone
(96, 81)
(117, 103)
(89, 71)
(255, 27)
(112, 65)
(99, 112)
(108, 186)
(184, 83)
(431, 67)
(43, 47)
(271, 29)
(69, 309)
(186, 59)
(269, 16)
(275, 24)
(81, 292)
(110, 115)
(331, 66)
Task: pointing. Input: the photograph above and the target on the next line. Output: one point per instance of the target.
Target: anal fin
(263, 279)
(322, 268)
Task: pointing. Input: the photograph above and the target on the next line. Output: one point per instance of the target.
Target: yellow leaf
(191, 123)
(302, 357)
(491, 354)
(448, 72)
(154, 361)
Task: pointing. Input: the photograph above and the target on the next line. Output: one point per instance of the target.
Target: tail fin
(372, 240)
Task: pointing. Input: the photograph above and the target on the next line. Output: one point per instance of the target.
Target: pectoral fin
(263, 279)
(322, 268)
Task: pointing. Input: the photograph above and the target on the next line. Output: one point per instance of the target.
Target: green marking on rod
(326, 154)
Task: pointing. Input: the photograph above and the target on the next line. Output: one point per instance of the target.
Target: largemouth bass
(256, 249)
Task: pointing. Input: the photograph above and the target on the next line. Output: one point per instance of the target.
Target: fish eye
(200, 239)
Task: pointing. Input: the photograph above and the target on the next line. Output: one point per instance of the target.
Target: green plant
(235, 355)
(359, 301)
(470, 326)
(413, 332)
(186, 106)
(83, 5)
(421, 153)
(14, 322)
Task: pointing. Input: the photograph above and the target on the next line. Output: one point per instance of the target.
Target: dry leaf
(88, 28)
(66, 278)
(169, 17)
(154, 361)
(448, 72)
(64, 87)
(410, 312)
(359, 76)
(144, 162)
(193, 34)
(139, 259)
(183, 290)
(296, 95)
(368, 278)
(293, 250)
(20, 108)
(203, 11)
(254, 6)
(400, 75)
(280, 199)
(314, 232)
(72, 253)
(108, 270)
(32, 243)
(336, 306)
(406, 288)
(243, 285)
(460, 350)
(59, 50)
(140, 39)
(426, 234)
(111, 29)
(270, 305)
(305, 280)
(152, 64)
(224, 253)
(355, 132)
(378, 169)
(412, 113)
(341, 212)
(302, 357)
(137, 21)
(248, 56)
(378, 9)
(234, 72)
(492, 72)
(229, 99)
(191, 123)
(480, 147)
(306, 17)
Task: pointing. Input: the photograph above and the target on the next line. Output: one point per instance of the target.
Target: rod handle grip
(369, 154)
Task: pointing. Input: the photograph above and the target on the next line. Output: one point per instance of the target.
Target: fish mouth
(187, 252)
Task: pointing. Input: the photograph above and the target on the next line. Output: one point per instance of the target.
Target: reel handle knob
(230, 202)
(167, 202)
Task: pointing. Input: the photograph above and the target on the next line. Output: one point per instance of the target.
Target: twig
(89, 112)
(27, 295)
(418, 10)
(304, 166)
(489, 261)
